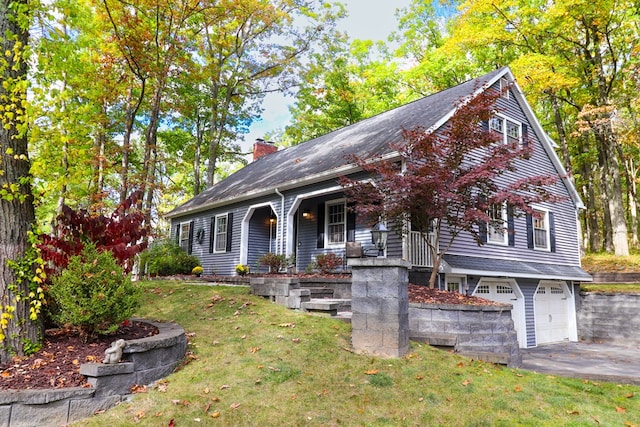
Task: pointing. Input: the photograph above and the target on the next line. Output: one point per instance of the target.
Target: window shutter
(482, 225)
(178, 234)
(351, 223)
(511, 235)
(212, 233)
(530, 231)
(191, 225)
(229, 231)
(320, 225)
(552, 232)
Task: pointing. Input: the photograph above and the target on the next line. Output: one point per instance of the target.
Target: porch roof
(460, 264)
(326, 157)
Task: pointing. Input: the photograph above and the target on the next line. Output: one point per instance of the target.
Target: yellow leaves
(621, 410)
(371, 372)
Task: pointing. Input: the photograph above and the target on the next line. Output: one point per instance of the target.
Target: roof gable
(325, 157)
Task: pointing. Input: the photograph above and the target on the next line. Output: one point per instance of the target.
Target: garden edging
(144, 361)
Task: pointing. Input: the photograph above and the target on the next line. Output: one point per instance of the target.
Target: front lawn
(254, 363)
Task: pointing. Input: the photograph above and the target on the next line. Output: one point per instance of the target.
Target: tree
(20, 325)
(447, 180)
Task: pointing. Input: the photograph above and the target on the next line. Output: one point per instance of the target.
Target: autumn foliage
(122, 233)
(448, 178)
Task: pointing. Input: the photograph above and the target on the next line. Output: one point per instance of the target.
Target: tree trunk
(16, 205)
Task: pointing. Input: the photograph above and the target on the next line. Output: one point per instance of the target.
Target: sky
(367, 20)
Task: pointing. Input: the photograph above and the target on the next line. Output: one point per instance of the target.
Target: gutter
(281, 218)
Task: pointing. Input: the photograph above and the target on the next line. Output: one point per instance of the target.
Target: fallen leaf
(215, 399)
(140, 415)
(518, 389)
(466, 382)
(136, 388)
(224, 386)
(75, 362)
(254, 349)
(171, 423)
(573, 413)
(620, 409)
(371, 372)
(460, 365)
(630, 395)
(419, 377)
(215, 414)
(206, 390)
(234, 406)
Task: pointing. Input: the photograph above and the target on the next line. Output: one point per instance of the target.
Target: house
(289, 202)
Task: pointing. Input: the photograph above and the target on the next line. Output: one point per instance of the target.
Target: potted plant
(197, 271)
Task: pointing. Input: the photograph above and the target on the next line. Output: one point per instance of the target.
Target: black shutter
(191, 225)
(229, 231)
(178, 234)
(320, 226)
(351, 223)
(552, 232)
(212, 234)
(529, 231)
(482, 225)
(510, 226)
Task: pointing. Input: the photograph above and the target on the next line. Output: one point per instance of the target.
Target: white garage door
(552, 312)
(506, 293)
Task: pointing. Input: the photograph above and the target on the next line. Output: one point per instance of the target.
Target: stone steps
(330, 306)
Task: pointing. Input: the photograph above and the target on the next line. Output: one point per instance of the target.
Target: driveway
(595, 361)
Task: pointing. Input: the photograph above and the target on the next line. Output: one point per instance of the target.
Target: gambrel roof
(325, 157)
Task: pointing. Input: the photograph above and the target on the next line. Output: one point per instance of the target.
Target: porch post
(380, 306)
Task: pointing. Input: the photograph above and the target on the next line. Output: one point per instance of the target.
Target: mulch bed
(425, 295)
(57, 364)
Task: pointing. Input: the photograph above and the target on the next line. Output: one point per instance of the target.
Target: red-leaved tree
(448, 179)
(122, 233)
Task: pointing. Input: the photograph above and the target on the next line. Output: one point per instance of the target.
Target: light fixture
(306, 214)
(379, 234)
(272, 218)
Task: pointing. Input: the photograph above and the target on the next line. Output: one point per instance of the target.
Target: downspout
(281, 219)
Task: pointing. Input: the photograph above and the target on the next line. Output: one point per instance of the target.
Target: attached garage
(507, 292)
(553, 305)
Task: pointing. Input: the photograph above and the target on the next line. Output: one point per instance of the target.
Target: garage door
(506, 293)
(552, 312)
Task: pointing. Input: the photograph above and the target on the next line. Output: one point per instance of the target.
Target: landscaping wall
(609, 317)
(144, 361)
(483, 332)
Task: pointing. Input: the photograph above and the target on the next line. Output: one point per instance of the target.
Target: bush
(327, 263)
(274, 262)
(242, 269)
(167, 258)
(197, 270)
(93, 293)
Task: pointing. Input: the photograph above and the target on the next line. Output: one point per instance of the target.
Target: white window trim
(505, 231)
(328, 203)
(503, 131)
(182, 238)
(215, 233)
(546, 248)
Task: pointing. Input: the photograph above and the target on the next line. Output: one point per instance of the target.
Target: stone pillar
(380, 306)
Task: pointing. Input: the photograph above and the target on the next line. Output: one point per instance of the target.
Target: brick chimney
(262, 148)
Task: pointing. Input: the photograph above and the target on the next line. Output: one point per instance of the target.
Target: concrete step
(321, 292)
(329, 306)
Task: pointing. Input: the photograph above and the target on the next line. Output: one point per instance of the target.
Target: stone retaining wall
(609, 317)
(144, 361)
(483, 332)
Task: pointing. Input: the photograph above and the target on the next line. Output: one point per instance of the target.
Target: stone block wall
(145, 360)
(609, 317)
(483, 332)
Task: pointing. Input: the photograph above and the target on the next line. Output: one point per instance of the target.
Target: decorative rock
(114, 353)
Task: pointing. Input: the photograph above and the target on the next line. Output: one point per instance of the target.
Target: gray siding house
(289, 202)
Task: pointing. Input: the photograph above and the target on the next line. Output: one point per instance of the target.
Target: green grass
(254, 363)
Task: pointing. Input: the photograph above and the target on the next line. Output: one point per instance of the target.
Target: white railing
(419, 253)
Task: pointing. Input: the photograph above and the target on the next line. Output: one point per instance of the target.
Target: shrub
(274, 262)
(93, 293)
(167, 258)
(327, 263)
(197, 270)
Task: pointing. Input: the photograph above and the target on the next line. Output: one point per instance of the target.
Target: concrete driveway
(595, 361)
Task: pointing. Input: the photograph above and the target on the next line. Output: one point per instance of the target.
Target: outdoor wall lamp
(272, 219)
(306, 214)
(379, 234)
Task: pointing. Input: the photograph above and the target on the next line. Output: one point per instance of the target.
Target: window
(541, 229)
(497, 227)
(336, 227)
(510, 130)
(504, 88)
(185, 229)
(220, 236)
